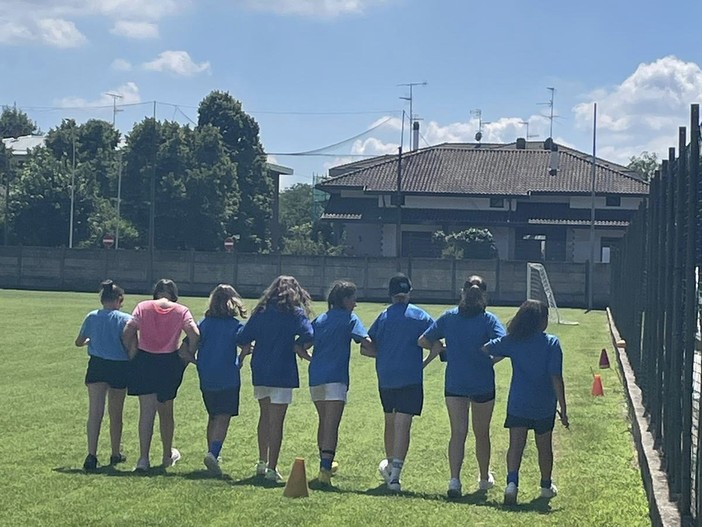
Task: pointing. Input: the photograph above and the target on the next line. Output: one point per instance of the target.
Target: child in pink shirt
(152, 337)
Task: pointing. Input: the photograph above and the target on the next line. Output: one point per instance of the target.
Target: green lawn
(43, 443)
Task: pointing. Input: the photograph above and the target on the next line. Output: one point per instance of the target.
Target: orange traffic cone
(604, 359)
(597, 389)
(296, 487)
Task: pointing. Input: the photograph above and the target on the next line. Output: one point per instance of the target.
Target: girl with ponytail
(108, 368)
(470, 377)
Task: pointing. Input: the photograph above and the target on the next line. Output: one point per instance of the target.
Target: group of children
(143, 354)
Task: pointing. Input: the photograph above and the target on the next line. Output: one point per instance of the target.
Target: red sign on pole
(108, 241)
(229, 244)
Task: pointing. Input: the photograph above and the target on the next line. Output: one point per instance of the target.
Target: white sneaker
(212, 464)
(175, 457)
(261, 468)
(385, 470)
(454, 488)
(394, 485)
(486, 484)
(550, 492)
(142, 465)
(273, 475)
(511, 494)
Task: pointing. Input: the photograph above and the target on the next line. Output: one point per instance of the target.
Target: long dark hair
(532, 317)
(109, 292)
(340, 290)
(225, 302)
(473, 297)
(166, 288)
(286, 294)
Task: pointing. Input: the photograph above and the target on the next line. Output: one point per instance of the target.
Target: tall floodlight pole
(73, 193)
(411, 85)
(114, 96)
(592, 210)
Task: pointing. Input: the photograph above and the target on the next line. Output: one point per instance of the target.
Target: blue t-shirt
(274, 359)
(534, 360)
(104, 329)
(217, 358)
(469, 370)
(395, 333)
(333, 332)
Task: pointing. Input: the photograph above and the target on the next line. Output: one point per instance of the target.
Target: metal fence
(656, 305)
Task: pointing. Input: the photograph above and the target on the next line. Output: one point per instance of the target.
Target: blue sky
(316, 72)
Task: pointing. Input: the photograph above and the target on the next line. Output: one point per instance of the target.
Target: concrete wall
(196, 273)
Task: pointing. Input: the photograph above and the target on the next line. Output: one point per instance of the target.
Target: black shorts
(159, 373)
(221, 402)
(539, 426)
(113, 372)
(405, 400)
(477, 398)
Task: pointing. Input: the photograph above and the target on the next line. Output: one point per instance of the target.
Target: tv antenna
(410, 98)
(551, 115)
(528, 135)
(478, 114)
(115, 96)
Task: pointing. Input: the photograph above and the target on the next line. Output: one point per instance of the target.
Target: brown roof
(456, 169)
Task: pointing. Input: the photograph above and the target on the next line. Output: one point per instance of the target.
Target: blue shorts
(221, 402)
(405, 400)
(539, 426)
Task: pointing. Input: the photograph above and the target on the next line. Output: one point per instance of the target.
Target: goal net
(539, 288)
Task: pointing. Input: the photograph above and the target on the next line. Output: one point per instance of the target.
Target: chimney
(554, 161)
(521, 143)
(415, 135)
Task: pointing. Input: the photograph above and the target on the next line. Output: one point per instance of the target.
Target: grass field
(43, 443)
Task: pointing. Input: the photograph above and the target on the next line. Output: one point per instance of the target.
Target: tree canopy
(644, 164)
(15, 123)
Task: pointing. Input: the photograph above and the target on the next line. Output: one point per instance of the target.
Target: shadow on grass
(538, 505)
(109, 470)
(256, 481)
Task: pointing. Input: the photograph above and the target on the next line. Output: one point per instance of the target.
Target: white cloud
(60, 33)
(129, 92)
(136, 30)
(314, 8)
(645, 110)
(53, 22)
(121, 65)
(178, 63)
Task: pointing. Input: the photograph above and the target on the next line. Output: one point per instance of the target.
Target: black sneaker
(117, 458)
(90, 463)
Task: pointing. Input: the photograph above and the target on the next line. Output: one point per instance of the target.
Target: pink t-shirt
(159, 327)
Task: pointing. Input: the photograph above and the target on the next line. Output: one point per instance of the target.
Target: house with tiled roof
(534, 197)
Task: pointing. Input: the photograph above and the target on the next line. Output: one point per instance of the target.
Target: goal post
(538, 287)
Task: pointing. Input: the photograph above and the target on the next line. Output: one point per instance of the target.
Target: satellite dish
(478, 136)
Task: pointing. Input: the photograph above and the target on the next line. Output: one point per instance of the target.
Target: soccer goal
(539, 288)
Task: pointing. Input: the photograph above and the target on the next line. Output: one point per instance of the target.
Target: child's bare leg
(147, 415)
(96, 409)
(517, 441)
(263, 428)
(276, 416)
(458, 411)
(389, 436)
(544, 447)
(166, 424)
(115, 407)
(482, 415)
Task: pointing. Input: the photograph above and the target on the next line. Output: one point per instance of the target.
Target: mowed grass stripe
(43, 446)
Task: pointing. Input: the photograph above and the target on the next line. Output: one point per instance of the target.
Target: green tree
(644, 164)
(240, 135)
(308, 239)
(15, 123)
(295, 206)
(470, 244)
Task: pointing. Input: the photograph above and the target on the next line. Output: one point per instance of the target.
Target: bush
(468, 244)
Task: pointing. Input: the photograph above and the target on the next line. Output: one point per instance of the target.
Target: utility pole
(411, 85)
(73, 192)
(592, 211)
(114, 96)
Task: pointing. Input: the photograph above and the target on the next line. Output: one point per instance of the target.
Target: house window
(613, 201)
(497, 203)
